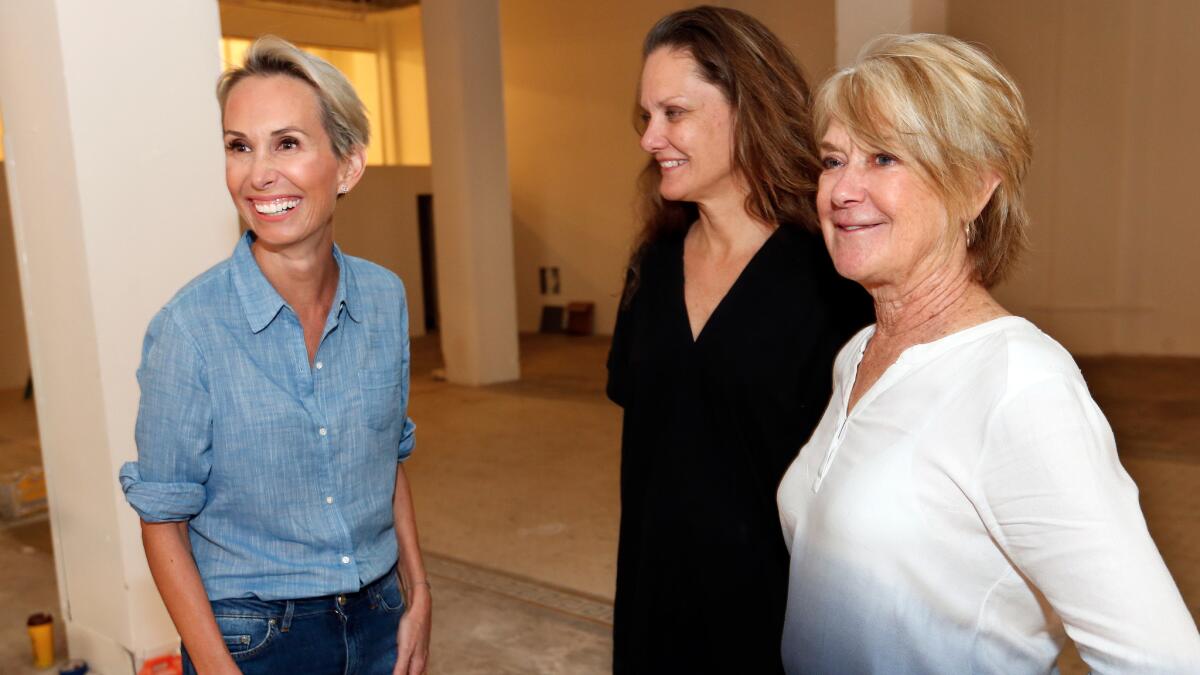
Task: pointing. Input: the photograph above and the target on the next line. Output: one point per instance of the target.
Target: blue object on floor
(74, 668)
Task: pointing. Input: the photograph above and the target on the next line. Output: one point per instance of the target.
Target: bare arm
(178, 582)
(413, 639)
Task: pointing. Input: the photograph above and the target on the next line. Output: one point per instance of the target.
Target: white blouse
(967, 511)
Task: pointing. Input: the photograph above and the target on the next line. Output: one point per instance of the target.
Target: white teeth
(672, 163)
(275, 207)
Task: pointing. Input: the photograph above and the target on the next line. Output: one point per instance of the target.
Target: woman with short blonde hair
(960, 507)
(272, 428)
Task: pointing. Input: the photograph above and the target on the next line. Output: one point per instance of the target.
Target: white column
(114, 168)
(860, 20)
(477, 300)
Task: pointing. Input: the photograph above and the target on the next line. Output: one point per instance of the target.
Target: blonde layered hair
(342, 113)
(954, 114)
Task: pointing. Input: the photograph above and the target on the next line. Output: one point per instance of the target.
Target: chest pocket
(382, 403)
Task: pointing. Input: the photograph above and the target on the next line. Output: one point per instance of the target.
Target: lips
(848, 227)
(667, 164)
(275, 207)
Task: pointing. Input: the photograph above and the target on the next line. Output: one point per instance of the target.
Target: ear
(352, 167)
(988, 182)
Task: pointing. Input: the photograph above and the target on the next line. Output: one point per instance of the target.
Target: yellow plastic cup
(41, 635)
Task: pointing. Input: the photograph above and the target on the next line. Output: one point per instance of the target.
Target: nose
(652, 138)
(263, 173)
(848, 186)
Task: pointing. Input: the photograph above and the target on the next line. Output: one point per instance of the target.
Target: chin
(854, 267)
(673, 195)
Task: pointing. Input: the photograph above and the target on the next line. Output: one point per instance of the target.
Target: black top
(710, 427)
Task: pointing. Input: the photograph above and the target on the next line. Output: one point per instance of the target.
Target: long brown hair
(773, 152)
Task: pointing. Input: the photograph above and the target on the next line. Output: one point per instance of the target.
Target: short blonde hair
(342, 112)
(956, 114)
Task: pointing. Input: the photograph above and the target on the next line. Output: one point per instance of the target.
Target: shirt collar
(261, 302)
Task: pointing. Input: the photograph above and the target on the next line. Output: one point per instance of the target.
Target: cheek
(234, 177)
(824, 198)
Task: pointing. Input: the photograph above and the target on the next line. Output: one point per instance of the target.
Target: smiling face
(279, 164)
(883, 224)
(688, 129)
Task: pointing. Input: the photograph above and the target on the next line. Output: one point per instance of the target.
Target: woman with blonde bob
(960, 507)
(272, 428)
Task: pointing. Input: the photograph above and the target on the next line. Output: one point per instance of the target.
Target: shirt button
(322, 431)
(320, 365)
(329, 500)
(345, 560)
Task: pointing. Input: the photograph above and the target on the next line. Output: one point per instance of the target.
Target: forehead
(272, 102)
(673, 72)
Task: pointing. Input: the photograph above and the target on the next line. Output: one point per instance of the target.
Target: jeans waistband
(283, 611)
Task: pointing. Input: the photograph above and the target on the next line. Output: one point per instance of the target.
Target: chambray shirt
(285, 472)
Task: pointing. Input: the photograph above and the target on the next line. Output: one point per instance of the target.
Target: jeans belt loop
(288, 611)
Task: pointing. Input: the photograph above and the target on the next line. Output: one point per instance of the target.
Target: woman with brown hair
(723, 348)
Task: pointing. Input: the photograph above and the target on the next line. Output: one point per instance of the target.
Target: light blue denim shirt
(284, 471)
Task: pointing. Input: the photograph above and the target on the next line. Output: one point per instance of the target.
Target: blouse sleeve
(619, 353)
(1063, 509)
(174, 427)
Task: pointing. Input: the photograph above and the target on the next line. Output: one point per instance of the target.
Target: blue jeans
(351, 634)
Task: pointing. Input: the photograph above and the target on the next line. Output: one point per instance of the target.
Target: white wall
(1112, 91)
(860, 20)
(378, 221)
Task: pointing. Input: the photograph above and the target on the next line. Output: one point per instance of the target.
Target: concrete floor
(516, 493)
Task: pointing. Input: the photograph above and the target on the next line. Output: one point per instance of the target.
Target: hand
(412, 640)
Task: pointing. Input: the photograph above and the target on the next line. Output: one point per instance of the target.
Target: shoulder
(200, 300)
(377, 291)
(1030, 356)
(663, 252)
(371, 277)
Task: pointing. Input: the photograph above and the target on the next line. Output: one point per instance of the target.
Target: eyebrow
(277, 132)
(830, 147)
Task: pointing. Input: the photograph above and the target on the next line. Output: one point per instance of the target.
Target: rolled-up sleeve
(174, 427)
(408, 440)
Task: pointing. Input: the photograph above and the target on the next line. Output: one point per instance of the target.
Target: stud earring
(343, 189)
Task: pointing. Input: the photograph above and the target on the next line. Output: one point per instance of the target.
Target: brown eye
(641, 120)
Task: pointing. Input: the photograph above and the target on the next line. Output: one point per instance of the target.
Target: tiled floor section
(516, 489)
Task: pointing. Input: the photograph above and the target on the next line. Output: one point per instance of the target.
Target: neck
(305, 274)
(942, 302)
(726, 228)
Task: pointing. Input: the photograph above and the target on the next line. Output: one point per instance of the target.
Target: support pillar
(860, 20)
(477, 299)
(115, 173)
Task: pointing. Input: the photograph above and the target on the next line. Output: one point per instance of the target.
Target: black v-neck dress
(710, 427)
